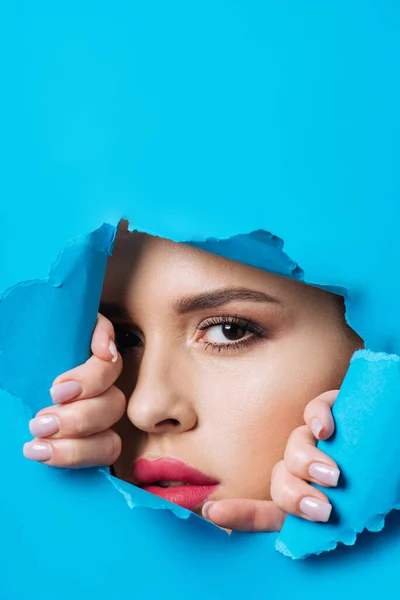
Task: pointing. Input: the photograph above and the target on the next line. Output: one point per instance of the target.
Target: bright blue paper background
(194, 119)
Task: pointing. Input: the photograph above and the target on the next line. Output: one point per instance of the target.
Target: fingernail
(316, 427)
(37, 451)
(44, 425)
(316, 509)
(113, 349)
(324, 474)
(61, 392)
(204, 510)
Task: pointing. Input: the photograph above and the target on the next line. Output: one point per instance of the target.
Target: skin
(236, 408)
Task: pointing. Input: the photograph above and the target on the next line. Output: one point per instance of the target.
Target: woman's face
(220, 360)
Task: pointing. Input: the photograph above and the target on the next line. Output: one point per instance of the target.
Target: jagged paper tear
(58, 315)
(197, 120)
(367, 447)
(366, 406)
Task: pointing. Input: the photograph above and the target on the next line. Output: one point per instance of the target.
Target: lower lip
(187, 496)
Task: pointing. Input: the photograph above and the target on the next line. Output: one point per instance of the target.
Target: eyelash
(248, 325)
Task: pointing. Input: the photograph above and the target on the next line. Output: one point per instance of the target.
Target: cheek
(251, 392)
(248, 406)
(247, 409)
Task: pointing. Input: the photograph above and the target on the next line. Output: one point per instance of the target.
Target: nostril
(173, 422)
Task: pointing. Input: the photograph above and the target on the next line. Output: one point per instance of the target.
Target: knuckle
(117, 367)
(71, 455)
(277, 472)
(321, 404)
(98, 376)
(109, 372)
(78, 419)
(119, 399)
(104, 324)
(277, 483)
(284, 496)
(297, 456)
(291, 440)
(296, 463)
(296, 438)
(311, 409)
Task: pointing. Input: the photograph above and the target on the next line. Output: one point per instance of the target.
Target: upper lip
(145, 472)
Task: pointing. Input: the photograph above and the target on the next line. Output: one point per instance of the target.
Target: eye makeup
(234, 333)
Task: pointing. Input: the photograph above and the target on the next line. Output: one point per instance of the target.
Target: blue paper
(51, 321)
(365, 412)
(198, 122)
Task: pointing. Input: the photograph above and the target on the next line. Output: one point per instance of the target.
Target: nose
(161, 402)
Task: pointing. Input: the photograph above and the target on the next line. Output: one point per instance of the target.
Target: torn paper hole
(145, 279)
(71, 278)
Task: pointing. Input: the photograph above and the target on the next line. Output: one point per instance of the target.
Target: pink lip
(147, 472)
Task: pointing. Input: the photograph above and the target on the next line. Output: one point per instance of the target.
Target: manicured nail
(204, 510)
(316, 427)
(324, 474)
(61, 392)
(113, 349)
(316, 509)
(37, 451)
(44, 425)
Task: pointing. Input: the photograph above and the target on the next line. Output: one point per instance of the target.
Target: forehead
(145, 268)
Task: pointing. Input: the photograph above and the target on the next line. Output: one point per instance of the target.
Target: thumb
(244, 515)
(103, 345)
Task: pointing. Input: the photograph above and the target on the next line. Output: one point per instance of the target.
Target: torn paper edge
(350, 537)
(277, 242)
(81, 240)
(376, 522)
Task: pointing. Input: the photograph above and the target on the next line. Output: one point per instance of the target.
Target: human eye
(127, 337)
(229, 333)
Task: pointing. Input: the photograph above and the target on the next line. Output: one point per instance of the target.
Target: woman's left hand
(291, 491)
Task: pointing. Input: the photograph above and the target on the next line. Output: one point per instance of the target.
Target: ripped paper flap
(366, 447)
(53, 319)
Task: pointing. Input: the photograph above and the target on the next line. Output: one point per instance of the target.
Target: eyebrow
(218, 297)
(206, 300)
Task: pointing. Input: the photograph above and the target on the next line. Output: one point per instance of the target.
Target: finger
(91, 379)
(307, 462)
(103, 345)
(296, 497)
(318, 415)
(96, 450)
(80, 419)
(244, 515)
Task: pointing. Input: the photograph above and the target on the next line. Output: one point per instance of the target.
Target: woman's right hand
(303, 463)
(76, 430)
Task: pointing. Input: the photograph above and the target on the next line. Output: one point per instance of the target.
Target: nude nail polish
(316, 427)
(44, 425)
(204, 510)
(113, 349)
(316, 509)
(324, 474)
(37, 451)
(62, 392)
